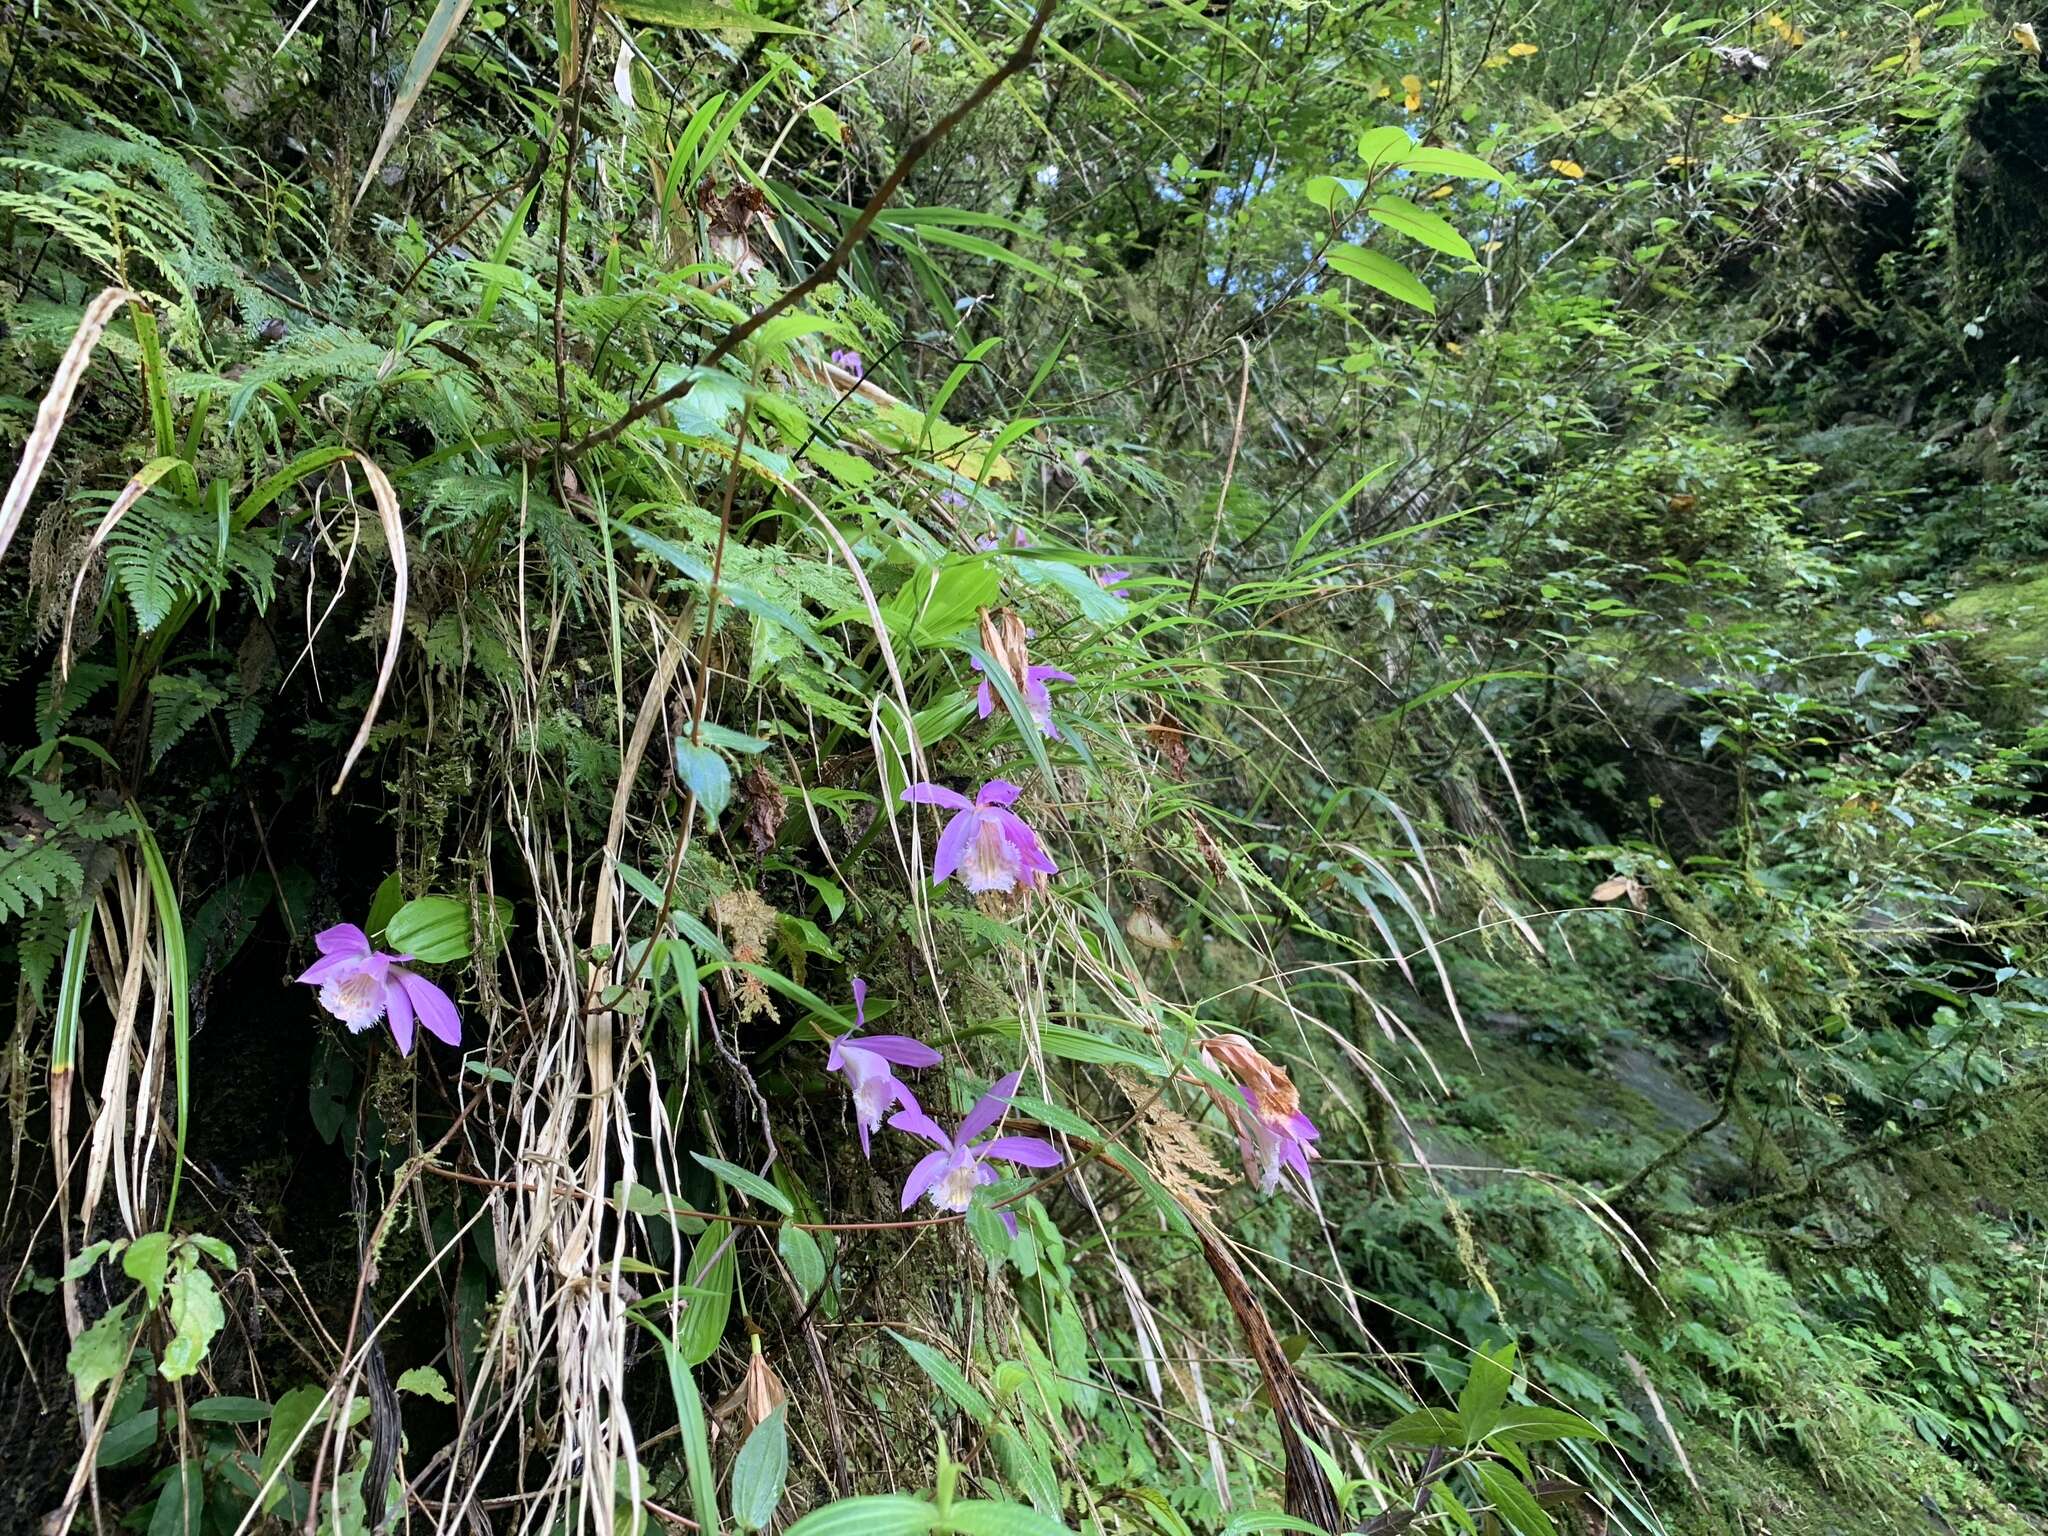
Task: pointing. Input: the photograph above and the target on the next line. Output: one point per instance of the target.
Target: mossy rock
(2001, 219)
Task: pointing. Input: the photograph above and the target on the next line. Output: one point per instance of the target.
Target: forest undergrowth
(1128, 769)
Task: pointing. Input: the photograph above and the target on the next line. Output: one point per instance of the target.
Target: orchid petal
(954, 842)
(342, 939)
(834, 1061)
(398, 1013)
(435, 1008)
(923, 1176)
(860, 1002)
(936, 794)
(1048, 675)
(989, 1109)
(918, 1123)
(1031, 1151)
(1009, 1221)
(328, 967)
(1030, 852)
(984, 701)
(900, 1049)
(997, 792)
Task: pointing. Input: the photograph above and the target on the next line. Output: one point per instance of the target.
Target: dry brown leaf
(394, 538)
(35, 453)
(1145, 928)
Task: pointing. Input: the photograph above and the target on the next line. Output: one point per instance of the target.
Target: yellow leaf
(1732, 118)
(1570, 168)
(1521, 50)
(1681, 160)
(2025, 35)
(1443, 191)
(1412, 86)
(1785, 30)
(1497, 61)
(1454, 349)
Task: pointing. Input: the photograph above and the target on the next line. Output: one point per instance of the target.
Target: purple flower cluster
(851, 361)
(963, 1162)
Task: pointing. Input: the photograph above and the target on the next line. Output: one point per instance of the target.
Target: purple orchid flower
(1037, 698)
(954, 500)
(1113, 582)
(950, 1176)
(360, 985)
(986, 843)
(1269, 1145)
(850, 360)
(1019, 539)
(866, 1063)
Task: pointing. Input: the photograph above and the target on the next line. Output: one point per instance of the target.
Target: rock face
(2001, 219)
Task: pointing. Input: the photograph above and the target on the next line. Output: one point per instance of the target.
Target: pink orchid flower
(867, 1062)
(360, 985)
(851, 361)
(950, 1176)
(986, 843)
(1019, 539)
(1113, 582)
(1037, 697)
(1271, 1143)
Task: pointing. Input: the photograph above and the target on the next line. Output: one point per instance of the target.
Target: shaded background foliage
(1580, 714)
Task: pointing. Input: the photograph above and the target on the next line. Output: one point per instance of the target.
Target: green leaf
(181, 1507)
(127, 1440)
(1253, 1520)
(713, 1263)
(759, 1472)
(1525, 1426)
(1425, 1426)
(1428, 160)
(196, 1316)
(1381, 271)
(948, 1378)
(940, 599)
(1339, 194)
(984, 1517)
(751, 1185)
(1420, 225)
(387, 899)
(1486, 1388)
(1516, 1506)
(706, 773)
(425, 1381)
(1383, 148)
(878, 1514)
(97, 1354)
(696, 1435)
(230, 1410)
(146, 1262)
(805, 1259)
(698, 15)
(712, 734)
(432, 929)
(297, 1409)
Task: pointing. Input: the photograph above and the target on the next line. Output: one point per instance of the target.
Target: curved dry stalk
(394, 539)
(42, 437)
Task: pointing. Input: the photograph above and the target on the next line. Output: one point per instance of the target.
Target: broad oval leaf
(759, 1472)
(1420, 225)
(1383, 148)
(876, 1514)
(1380, 271)
(704, 771)
(713, 1262)
(1428, 160)
(750, 1184)
(985, 1517)
(1339, 194)
(432, 929)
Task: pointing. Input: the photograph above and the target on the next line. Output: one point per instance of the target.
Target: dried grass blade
(131, 493)
(35, 453)
(394, 539)
(433, 43)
